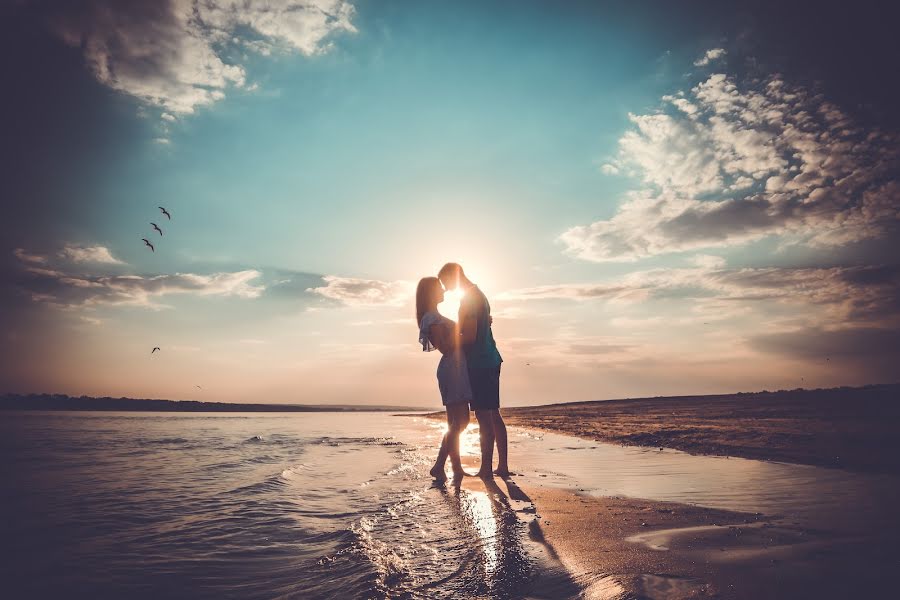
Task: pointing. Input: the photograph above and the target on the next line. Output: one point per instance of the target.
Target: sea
(336, 505)
(256, 505)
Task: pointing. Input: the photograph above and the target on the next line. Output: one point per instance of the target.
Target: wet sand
(623, 547)
(631, 548)
(850, 428)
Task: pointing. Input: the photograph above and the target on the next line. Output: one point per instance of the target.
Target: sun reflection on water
(480, 509)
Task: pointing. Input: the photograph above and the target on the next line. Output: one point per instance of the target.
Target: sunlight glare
(450, 306)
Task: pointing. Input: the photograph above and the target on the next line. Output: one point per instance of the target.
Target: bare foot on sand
(438, 473)
(484, 474)
(503, 473)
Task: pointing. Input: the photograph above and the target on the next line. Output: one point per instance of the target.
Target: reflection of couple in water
(469, 371)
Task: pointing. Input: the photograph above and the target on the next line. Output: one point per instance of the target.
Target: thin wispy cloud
(839, 295)
(57, 282)
(730, 162)
(180, 55)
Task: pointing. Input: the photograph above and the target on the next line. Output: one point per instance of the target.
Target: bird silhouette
(198, 387)
(156, 227)
(155, 348)
(165, 212)
(146, 241)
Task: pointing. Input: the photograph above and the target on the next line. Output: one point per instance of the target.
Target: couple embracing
(469, 371)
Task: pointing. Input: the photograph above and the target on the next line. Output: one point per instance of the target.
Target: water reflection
(498, 562)
(481, 513)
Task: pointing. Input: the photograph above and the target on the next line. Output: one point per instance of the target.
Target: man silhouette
(483, 362)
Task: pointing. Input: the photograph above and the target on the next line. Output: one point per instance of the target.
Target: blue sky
(658, 200)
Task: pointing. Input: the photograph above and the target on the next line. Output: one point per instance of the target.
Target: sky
(658, 198)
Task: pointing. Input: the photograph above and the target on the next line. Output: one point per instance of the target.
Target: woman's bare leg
(437, 471)
(458, 417)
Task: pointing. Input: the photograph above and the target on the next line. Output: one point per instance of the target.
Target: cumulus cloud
(180, 54)
(711, 55)
(728, 163)
(364, 292)
(89, 254)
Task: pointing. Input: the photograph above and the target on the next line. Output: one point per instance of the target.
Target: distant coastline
(57, 402)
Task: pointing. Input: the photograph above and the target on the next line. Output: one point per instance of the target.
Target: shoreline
(617, 547)
(856, 429)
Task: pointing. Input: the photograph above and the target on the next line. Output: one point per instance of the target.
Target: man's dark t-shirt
(482, 353)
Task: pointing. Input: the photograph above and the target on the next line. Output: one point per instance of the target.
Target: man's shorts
(485, 388)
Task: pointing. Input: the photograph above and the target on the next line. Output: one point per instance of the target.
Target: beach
(625, 547)
(340, 505)
(633, 545)
(850, 428)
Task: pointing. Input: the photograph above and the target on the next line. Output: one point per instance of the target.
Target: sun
(450, 306)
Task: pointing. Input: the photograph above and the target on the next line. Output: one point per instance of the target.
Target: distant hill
(64, 402)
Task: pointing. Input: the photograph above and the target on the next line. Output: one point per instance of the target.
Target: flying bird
(155, 348)
(146, 241)
(198, 387)
(156, 227)
(165, 212)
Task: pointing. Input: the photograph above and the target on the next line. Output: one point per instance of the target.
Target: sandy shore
(622, 548)
(632, 548)
(851, 428)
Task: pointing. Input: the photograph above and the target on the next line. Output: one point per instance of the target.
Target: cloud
(594, 349)
(711, 55)
(143, 291)
(708, 261)
(28, 257)
(60, 285)
(586, 291)
(181, 54)
(364, 292)
(728, 163)
(843, 295)
(871, 353)
(89, 254)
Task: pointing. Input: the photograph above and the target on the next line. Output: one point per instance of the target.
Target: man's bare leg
(486, 438)
(500, 436)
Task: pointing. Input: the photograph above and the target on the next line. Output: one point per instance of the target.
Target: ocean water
(339, 505)
(298, 505)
